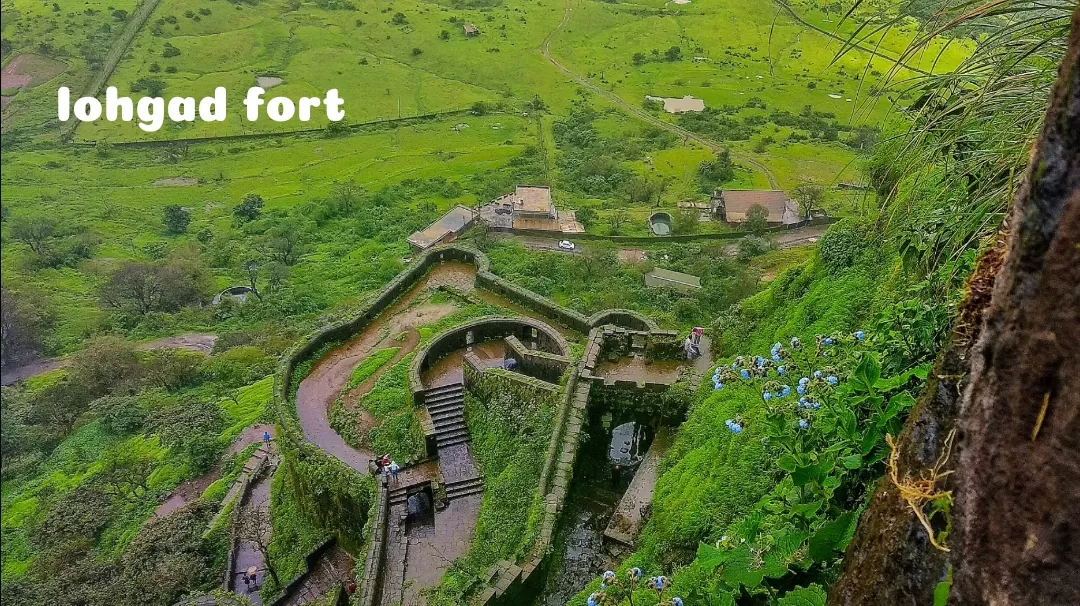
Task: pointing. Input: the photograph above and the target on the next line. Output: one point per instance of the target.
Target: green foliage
(176, 219)
(292, 536)
(509, 437)
(844, 244)
(597, 280)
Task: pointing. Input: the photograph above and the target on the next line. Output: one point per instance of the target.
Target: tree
(757, 219)
(59, 405)
(25, 318)
(35, 231)
(347, 194)
(189, 426)
(444, 35)
(106, 365)
(714, 173)
(176, 219)
(586, 216)
(251, 268)
(125, 473)
(673, 54)
(616, 220)
(254, 528)
(134, 287)
(685, 221)
(810, 198)
(77, 515)
(284, 243)
(167, 558)
(171, 369)
(249, 208)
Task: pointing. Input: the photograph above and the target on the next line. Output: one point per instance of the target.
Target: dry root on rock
(917, 492)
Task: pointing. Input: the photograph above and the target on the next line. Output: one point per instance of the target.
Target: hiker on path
(266, 438)
(691, 350)
(696, 334)
(394, 469)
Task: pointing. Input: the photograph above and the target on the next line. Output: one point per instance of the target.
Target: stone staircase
(446, 405)
(464, 488)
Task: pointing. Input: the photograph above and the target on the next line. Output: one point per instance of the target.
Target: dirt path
(195, 341)
(641, 114)
(190, 490)
(247, 554)
(318, 390)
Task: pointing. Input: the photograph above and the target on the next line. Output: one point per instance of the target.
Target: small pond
(660, 224)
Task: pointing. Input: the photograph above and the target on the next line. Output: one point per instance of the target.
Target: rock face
(1016, 528)
(1015, 535)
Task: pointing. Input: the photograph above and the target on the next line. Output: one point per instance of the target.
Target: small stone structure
(675, 280)
(236, 293)
(443, 230)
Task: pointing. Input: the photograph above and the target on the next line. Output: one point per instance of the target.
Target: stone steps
(446, 407)
(464, 488)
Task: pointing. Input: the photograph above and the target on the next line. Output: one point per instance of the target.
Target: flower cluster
(771, 375)
(612, 589)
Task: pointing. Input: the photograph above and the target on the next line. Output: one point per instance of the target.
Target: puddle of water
(447, 370)
(635, 369)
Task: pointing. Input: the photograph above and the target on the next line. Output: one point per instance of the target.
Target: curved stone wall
(483, 330)
(626, 318)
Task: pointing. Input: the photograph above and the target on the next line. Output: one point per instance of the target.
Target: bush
(176, 219)
(753, 246)
(844, 242)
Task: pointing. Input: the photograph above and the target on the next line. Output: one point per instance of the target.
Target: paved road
(787, 239)
(639, 113)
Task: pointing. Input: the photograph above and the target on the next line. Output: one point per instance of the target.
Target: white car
(566, 245)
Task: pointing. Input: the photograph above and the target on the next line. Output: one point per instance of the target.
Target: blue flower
(676, 602)
(794, 341)
(776, 359)
(817, 374)
(780, 370)
(804, 381)
(609, 576)
(634, 573)
(760, 362)
(737, 429)
(744, 373)
(803, 424)
(718, 386)
(594, 600)
(860, 335)
(785, 391)
(766, 396)
(828, 340)
(801, 389)
(734, 366)
(832, 380)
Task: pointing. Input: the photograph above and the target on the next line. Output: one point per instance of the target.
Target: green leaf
(739, 570)
(709, 557)
(805, 474)
(852, 461)
(941, 593)
(813, 595)
(724, 599)
(897, 404)
(787, 463)
(831, 537)
(778, 559)
(867, 373)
